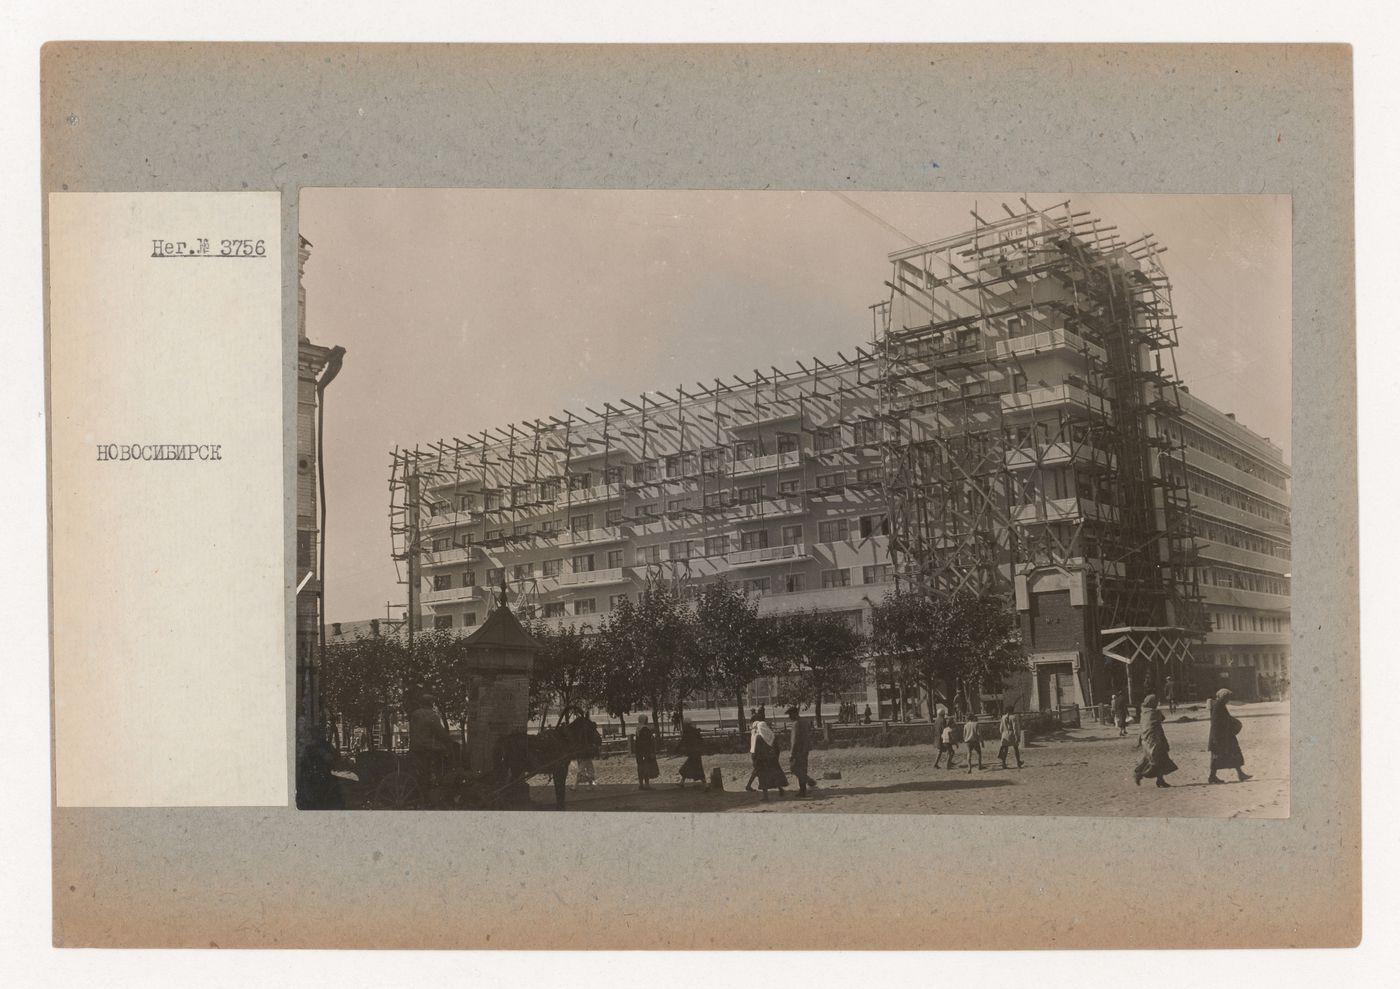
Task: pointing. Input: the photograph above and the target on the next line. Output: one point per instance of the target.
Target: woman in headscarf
(692, 746)
(763, 750)
(644, 748)
(1224, 746)
(1156, 761)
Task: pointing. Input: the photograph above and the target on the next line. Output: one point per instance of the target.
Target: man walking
(1120, 712)
(1010, 735)
(972, 741)
(1169, 690)
(801, 746)
(427, 741)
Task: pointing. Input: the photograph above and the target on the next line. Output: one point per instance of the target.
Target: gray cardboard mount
(1162, 118)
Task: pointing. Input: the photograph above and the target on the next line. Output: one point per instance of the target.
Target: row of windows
(1244, 580)
(1232, 455)
(1230, 535)
(1244, 621)
(1235, 497)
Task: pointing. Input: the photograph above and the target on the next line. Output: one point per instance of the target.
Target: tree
(617, 658)
(733, 645)
(360, 679)
(565, 673)
(823, 657)
(964, 641)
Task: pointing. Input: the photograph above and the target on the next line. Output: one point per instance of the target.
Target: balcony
(450, 519)
(613, 575)
(586, 496)
(1212, 508)
(771, 462)
(1048, 340)
(1062, 510)
(1207, 464)
(766, 508)
(1049, 396)
(1225, 553)
(1050, 454)
(438, 557)
(766, 554)
(592, 537)
(451, 594)
(1237, 598)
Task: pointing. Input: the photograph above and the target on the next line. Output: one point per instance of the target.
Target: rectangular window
(495, 576)
(580, 482)
(442, 582)
(649, 554)
(523, 571)
(879, 573)
(493, 535)
(647, 511)
(469, 619)
(439, 544)
(442, 621)
(551, 527)
(583, 563)
(639, 473)
(836, 578)
(874, 525)
(756, 587)
(614, 516)
(469, 578)
(493, 499)
(585, 606)
(790, 487)
(753, 539)
(616, 601)
(795, 582)
(831, 482)
(868, 475)
(614, 559)
(835, 531)
(710, 461)
(713, 499)
(787, 442)
(520, 495)
(553, 568)
(679, 550)
(867, 432)
(673, 465)
(745, 450)
(523, 529)
(716, 545)
(549, 490)
(792, 534)
(554, 609)
(580, 523)
(827, 438)
(677, 504)
(751, 495)
(466, 503)
(612, 475)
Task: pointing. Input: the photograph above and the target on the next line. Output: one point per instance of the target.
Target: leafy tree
(733, 645)
(964, 641)
(618, 653)
(566, 670)
(822, 653)
(360, 679)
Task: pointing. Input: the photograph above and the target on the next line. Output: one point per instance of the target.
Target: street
(1079, 772)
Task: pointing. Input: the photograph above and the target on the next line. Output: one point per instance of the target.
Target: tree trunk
(739, 709)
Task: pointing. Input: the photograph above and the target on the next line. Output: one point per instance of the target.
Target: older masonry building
(1016, 428)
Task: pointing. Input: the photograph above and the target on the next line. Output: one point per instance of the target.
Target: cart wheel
(397, 791)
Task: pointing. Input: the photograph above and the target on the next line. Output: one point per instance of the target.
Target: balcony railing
(1048, 340)
(612, 575)
(599, 492)
(593, 537)
(456, 554)
(450, 594)
(1062, 510)
(1022, 458)
(1051, 395)
(766, 508)
(769, 462)
(451, 518)
(766, 554)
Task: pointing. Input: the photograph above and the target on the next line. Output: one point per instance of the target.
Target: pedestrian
(800, 747)
(692, 746)
(1224, 745)
(1120, 712)
(587, 775)
(427, 742)
(867, 714)
(763, 751)
(972, 741)
(1169, 691)
(644, 748)
(1156, 761)
(1010, 736)
(942, 739)
(677, 719)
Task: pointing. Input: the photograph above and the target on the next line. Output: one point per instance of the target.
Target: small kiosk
(499, 658)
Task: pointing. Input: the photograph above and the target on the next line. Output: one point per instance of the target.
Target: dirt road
(1082, 772)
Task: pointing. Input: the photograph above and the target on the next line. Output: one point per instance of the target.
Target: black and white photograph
(793, 502)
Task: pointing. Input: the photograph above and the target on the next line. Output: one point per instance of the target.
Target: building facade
(1017, 428)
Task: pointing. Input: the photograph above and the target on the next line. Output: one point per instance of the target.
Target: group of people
(846, 714)
(1223, 744)
(948, 730)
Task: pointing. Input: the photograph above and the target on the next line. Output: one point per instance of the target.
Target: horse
(521, 755)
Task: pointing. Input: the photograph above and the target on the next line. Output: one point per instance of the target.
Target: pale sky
(466, 309)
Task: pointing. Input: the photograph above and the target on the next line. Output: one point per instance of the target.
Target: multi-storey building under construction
(1017, 428)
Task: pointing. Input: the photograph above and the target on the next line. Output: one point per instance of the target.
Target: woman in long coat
(644, 748)
(799, 748)
(764, 751)
(693, 748)
(1224, 745)
(1156, 761)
